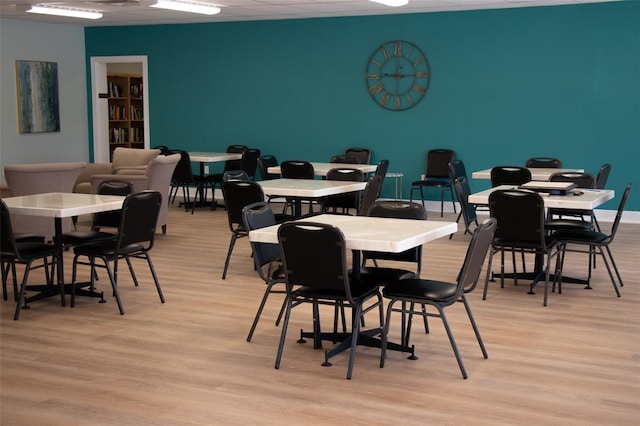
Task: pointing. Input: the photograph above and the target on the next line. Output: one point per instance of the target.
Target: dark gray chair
(509, 175)
(436, 175)
(544, 163)
(363, 155)
(316, 274)
(441, 294)
(595, 240)
(603, 175)
(25, 252)
(266, 256)
(347, 201)
(467, 209)
(521, 216)
(136, 236)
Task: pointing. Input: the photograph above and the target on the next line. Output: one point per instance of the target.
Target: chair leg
(23, 290)
(283, 333)
(155, 276)
(486, 280)
(114, 284)
(475, 326)
(260, 308)
(452, 341)
(232, 243)
(355, 332)
(606, 264)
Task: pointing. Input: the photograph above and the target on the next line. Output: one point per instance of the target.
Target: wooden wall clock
(398, 75)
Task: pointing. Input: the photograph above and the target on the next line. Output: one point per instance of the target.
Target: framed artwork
(38, 102)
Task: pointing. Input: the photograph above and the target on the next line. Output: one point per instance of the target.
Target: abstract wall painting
(38, 102)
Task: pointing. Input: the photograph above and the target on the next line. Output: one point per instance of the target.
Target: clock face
(398, 75)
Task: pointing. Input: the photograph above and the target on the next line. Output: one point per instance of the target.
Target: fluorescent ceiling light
(64, 11)
(392, 3)
(183, 6)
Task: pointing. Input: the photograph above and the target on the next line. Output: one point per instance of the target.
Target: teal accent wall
(506, 85)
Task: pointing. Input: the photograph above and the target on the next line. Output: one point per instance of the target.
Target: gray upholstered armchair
(27, 179)
(157, 176)
(127, 161)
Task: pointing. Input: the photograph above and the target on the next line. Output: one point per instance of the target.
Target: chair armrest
(130, 170)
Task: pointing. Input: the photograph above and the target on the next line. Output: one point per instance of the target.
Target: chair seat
(417, 288)
(434, 183)
(549, 242)
(106, 248)
(383, 276)
(32, 249)
(580, 236)
(23, 237)
(85, 236)
(359, 290)
(561, 224)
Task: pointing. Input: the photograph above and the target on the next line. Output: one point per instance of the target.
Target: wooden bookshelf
(126, 111)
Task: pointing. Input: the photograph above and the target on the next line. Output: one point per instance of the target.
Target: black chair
(136, 235)
(294, 169)
(557, 218)
(347, 201)
(386, 275)
(249, 162)
(183, 178)
(603, 175)
(370, 194)
(234, 175)
(5, 266)
(317, 274)
(363, 155)
(436, 175)
(381, 169)
(441, 294)
(25, 252)
(215, 180)
(456, 170)
(521, 217)
(467, 209)
(108, 219)
(509, 175)
(264, 162)
(266, 256)
(594, 240)
(543, 162)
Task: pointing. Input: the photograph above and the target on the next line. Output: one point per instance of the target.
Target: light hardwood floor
(187, 362)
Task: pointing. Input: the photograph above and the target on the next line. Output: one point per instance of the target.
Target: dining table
(307, 189)
(371, 234)
(321, 169)
(537, 173)
(59, 205)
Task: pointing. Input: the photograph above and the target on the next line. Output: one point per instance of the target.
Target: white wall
(64, 44)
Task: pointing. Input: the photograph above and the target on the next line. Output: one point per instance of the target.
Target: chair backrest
(250, 162)
(520, 216)
(132, 157)
(437, 163)
(234, 175)
(160, 170)
(475, 257)
(234, 164)
(183, 173)
(341, 158)
(398, 210)
(237, 194)
(544, 162)
(381, 169)
(582, 180)
(7, 239)
(457, 170)
(370, 195)
(320, 265)
(255, 216)
(264, 162)
(463, 191)
(362, 154)
(509, 175)
(139, 218)
(345, 174)
(603, 175)
(111, 219)
(294, 169)
(623, 202)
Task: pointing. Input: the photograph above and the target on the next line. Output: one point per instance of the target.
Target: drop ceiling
(138, 12)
